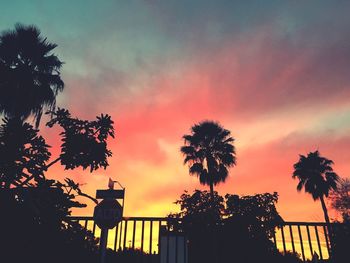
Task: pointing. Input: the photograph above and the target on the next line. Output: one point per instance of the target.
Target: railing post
(103, 244)
(318, 242)
(301, 243)
(283, 240)
(291, 237)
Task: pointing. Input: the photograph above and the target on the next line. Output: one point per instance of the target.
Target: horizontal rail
(137, 218)
(143, 233)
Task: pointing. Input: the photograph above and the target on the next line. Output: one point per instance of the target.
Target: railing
(132, 232)
(304, 238)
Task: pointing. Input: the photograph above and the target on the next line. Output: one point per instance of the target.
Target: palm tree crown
(209, 151)
(315, 174)
(29, 73)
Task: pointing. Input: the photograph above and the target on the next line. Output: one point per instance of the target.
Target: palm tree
(209, 152)
(316, 176)
(30, 74)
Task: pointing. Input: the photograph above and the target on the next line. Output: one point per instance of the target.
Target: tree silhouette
(198, 210)
(341, 199)
(209, 151)
(36, 223)
(84, 142)
(258, 211)
(243, 227)
(316, 176)
(30, 73)
(23, 153)
(37, 209)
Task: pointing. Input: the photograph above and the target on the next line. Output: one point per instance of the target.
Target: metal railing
(131, 233)
(304, 238)
(143, 233)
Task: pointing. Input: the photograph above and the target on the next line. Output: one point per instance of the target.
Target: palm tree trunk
(212, 192)
(329, 227)
(214, 237)
(325, 211)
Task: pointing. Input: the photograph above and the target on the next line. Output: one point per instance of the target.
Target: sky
(274, 73)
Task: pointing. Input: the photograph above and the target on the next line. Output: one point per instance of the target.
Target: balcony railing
(143, 233)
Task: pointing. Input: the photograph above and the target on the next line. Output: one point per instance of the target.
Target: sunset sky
(275, 73)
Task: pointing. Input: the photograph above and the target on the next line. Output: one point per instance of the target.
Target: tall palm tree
(209, 152)
(316, 176)
(29, 73)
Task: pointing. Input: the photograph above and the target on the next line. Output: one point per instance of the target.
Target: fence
(142, 233)
(304, 238)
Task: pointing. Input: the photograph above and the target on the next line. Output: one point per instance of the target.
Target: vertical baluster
(301, 243)
(274, 238)
(120, 234)
(142, 233)
(283, 240)
(94, 229)
(116, 237)
(150, 237)
(327, 241)
(133, 234)
(309, 238)
(318, 243)
(159, 227)
(125, 231)
(291, 237)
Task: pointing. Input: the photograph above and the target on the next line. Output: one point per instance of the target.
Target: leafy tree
(209, 151)
(258, 211)
(340, 199)
(37, 209)
(29, 73)
(316, 176)
(84, 142)
(198, 210)
(242, 226)
(25, 154)
(36, 224)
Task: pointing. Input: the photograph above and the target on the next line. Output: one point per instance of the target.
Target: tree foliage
(258, 211)
(315, 174)
(37, 209)
(29, 73)
(340, 199)
(209, 152)
(23, 153)
(198, 210)
(237, 225)
(84, 143)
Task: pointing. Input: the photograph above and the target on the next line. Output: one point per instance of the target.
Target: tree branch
(52, 163)
(45, 169)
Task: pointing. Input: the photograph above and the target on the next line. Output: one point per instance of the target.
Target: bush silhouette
(241, 228)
